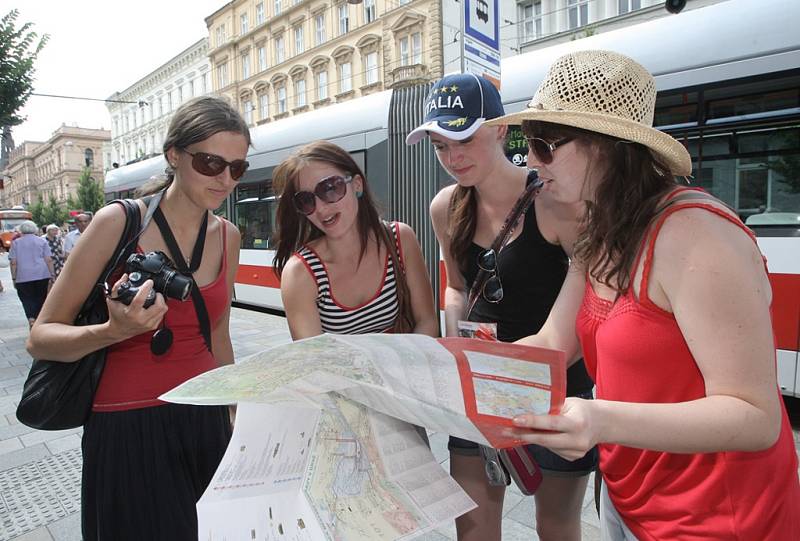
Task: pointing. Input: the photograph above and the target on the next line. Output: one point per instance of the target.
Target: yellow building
(275, 58)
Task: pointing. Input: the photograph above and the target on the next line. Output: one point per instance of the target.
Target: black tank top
(531, 271)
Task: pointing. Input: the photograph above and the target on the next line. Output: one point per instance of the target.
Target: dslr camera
(154, 266)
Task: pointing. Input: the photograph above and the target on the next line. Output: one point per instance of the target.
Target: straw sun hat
(604, 92)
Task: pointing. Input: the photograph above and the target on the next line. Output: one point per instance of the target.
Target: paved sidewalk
(40, 471)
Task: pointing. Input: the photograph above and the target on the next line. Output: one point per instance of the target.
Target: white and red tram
(728, 77)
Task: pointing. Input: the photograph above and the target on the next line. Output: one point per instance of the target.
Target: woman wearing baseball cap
(525, 278)
(669, 300)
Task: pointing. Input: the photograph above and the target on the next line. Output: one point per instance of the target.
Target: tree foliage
(19, 48)
(90, 195)
(37, 211)
(54, 212)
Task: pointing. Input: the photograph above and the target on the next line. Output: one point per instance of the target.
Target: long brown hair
(631, 184)
(462, 222)
(195, 121)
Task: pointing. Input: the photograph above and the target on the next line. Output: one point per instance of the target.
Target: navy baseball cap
(457, 106)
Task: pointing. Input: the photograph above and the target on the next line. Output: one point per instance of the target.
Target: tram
(728, 79)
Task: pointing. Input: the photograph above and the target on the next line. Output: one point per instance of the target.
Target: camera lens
(177, 286)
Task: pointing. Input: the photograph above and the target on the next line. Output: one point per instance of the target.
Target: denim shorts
(550, 463)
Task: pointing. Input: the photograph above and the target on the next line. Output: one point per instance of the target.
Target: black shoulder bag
(516, 463)
(58, 395)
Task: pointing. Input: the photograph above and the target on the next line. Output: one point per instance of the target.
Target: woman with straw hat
(669, 300)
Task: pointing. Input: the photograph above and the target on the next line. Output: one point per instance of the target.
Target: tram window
(752, 104)
(254, 212)
(676, 109)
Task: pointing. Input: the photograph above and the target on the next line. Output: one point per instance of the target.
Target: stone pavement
(40, 470)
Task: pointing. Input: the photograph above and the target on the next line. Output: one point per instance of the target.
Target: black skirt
(145, 469)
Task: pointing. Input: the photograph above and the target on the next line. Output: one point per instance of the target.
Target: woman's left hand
(571, 434)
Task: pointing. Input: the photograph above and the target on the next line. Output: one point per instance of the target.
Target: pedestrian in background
(344, 270)
(53, 237)
(669, 298)
(82, 221)
(145, 462)
(31, 269)
(526, 277)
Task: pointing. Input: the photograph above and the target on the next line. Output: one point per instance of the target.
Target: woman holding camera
(343, 270)
(146, 463)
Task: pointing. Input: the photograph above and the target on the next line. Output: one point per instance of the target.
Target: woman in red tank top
(669, 300)
(146, 463)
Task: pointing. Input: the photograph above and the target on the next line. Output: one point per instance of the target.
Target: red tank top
(636, 352)
(133, 377)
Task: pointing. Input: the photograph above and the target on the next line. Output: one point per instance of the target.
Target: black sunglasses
(543, 149)
(492, 288)
(330, 190)
(212, 165)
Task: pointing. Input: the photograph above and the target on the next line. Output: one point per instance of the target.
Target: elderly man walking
(81, 223)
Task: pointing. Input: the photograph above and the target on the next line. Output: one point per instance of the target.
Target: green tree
(54, 212)
(90, 195)
(37, 211)
(18, 50)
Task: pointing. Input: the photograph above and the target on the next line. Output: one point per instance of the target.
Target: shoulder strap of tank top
(682, 199)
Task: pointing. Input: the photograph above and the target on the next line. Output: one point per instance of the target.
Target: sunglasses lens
(238, 168)
(305, 202)
(487, 261)
(543, 151)
(331, 189)
(493, 289)
(207, 164)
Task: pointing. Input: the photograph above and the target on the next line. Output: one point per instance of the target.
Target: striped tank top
(376, 315)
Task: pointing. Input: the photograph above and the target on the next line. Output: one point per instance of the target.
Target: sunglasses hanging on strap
(487, 262)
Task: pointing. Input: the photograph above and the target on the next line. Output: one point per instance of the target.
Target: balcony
(410, 75)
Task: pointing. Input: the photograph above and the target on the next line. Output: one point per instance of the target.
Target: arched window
(88, 157)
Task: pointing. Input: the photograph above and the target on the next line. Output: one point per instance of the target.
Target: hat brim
(435, 126)
(671, 152)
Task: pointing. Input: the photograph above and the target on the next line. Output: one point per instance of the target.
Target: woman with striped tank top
(669, 299)
(343, 270)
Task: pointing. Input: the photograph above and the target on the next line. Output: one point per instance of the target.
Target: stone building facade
(41, 170)
(276, 58)
(141, 113)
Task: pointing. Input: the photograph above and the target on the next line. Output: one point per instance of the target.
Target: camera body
(154, 266)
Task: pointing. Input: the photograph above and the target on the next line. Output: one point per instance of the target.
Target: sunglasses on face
(492, 289)
(543, 150)
(212, 165)
(330, 190)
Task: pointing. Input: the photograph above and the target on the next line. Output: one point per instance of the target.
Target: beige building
(52, 168)
(275, 58)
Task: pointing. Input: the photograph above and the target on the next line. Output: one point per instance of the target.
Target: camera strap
(189, 270)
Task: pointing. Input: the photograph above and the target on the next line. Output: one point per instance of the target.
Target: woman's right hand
(134, 319)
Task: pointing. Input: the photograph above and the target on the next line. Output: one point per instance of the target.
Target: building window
(280, 52)
(300, 92)
(262, 58)
(411, 49)
(220, 35)
(281, 93)
(246, 65)
(248, 111)
(152, 110)
(369, 11)
(344, 19)
(319, 29)
(626, 6)
(222, 77)
(263, 106)
(578, 13)
(372, 68)
(88, 157)
(404, 2)
(299, 45)
(277, 7)
(116, 126)
(160, 105)
(191, 88)
(531, 15)
(243, 23)
(206, 81)
(322, 85)
(169, 103)
(260, 13)
(345, 77)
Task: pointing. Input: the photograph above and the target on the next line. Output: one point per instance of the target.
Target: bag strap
(405, 316)
(532, 186)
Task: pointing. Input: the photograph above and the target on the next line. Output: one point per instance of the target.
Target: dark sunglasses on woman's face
(543, 150)
(330, 190)
(212, 165)
(492, 289)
